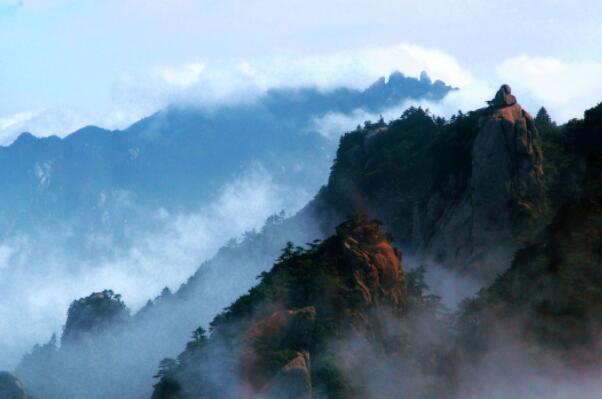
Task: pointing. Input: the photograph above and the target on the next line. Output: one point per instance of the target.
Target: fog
(40, 274)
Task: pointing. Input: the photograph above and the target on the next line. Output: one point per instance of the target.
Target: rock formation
(93, 314)
(292, 382)
(374, 262)
(504, 196)
(554, 287)
(11, 387)
(347, 287)
(276, 332)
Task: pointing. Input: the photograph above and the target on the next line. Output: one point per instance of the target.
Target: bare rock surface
(505, 191)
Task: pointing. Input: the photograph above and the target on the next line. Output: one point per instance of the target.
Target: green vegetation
(553, 289)
(317, 277)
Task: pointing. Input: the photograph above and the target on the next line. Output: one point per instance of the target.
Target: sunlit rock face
(375, 263)
(287, 338)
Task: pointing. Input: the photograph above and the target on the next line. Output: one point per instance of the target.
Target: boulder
(292, 382)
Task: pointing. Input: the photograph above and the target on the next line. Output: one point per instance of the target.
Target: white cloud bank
(565, 88)
(139, 93)
(470, 97)
(39, 276)
(209, 83)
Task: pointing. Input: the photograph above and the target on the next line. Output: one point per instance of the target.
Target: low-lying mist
(40, 274)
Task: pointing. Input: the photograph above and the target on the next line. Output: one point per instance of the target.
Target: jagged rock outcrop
(374, 262)
(276, 332)
(297, 324)
(553, 290)
(292, 382)
(504, 195)
(462, 193)
(349, 286)
(11, 387)
(93, 314)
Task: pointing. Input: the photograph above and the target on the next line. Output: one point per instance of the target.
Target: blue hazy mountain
(179, 157)
(141, 208)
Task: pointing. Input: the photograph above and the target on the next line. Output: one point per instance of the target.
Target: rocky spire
(503, 98)
(505, 193)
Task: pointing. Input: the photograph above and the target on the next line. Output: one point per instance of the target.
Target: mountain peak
(503, 97)
(24, 138)
(424, 77)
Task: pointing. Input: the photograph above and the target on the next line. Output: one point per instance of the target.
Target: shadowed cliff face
(11, 387)
(503, 197)
(92, 315)
(462, 193)
(554, 288)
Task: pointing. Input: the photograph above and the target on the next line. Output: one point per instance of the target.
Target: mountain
(554, 285)
(280, 340)
(425, 178)
(140, 208)
(11, 387)
(180, 157)
(341, 319)
(462, 194)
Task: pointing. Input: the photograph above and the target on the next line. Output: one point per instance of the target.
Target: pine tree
(543, 118)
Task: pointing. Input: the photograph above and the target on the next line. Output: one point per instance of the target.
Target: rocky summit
(463, 193)
(274, 341)
(505, 193)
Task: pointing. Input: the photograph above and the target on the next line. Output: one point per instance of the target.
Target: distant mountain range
(343, 317)
(141, 208)
(180, 157)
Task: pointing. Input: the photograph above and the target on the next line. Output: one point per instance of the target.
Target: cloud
(206, 83)
(182, 77)
(40, 275)
(565, 88)
(61, 121)
(470, 97)
(135, 94)
(358, 68)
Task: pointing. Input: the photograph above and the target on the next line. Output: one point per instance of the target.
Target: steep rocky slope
(342, 319)
(463, 193)
(100, 201)
(309, 327)
(427, 179)
(554, 288)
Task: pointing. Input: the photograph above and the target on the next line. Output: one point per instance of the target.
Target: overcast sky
(66, 63)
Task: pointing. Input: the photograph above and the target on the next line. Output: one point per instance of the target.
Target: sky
(69, 63)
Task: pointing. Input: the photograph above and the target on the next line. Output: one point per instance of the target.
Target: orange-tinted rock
(292, 382)
(375, 262)
(503, 97)
(505, 195)
(282, 324)
(275, 332)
